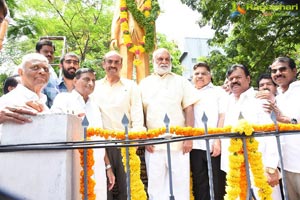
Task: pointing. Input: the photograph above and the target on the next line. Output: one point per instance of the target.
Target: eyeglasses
(37, 68)
(201, 73)
(75, 62)
(116, 62)
(280, 69)
(160, 59)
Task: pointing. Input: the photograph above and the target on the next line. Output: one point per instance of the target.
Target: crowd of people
(38, 89)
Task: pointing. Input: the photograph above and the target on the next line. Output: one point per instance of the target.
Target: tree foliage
(254, 38)
(86, 24)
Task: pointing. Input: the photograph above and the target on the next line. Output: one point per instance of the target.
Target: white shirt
(118, 99)
(74, 103)
(168, 94)
(210, 103)
(20, 95)
(252, 110)
(288, 103)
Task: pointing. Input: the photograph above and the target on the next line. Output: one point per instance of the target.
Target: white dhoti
(99, 176)
(158, 175)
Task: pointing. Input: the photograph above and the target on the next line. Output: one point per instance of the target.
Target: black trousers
(200, 177)
(119, 191)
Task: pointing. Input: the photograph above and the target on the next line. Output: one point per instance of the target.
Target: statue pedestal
(48, 174)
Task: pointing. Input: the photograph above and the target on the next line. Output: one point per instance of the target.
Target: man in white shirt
(167, 93)
(287, 109)
(210, 103)
(79, 103)
(243, 101)
(34, 74)
(27, 97)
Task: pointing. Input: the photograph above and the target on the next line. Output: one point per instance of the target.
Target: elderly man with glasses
(212, 104)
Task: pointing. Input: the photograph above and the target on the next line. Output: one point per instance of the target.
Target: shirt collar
(30, 95)
(105, 81)
(79, 96)
(248, 93)
(208, 86)
(164, 75)
(291, 86)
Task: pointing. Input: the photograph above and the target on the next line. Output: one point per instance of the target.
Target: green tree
(85, 25)
(254, 38)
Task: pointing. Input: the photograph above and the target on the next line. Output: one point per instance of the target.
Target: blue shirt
(54, 87)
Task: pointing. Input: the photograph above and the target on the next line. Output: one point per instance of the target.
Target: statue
(3, 21)
(133, 33)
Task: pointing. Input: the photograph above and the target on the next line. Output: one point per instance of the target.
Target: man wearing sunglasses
(287, 108)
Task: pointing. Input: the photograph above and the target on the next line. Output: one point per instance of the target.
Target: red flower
(123, 20)
(129, 45)
(147, 8)
(123, 8)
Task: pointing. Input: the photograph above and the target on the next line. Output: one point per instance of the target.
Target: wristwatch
(294, 121)
(270, 170)
(107, 166)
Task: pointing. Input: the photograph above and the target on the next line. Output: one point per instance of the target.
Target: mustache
(72, 68)
(235, 83)
(163, 65)
(280, 76)
(109, 68)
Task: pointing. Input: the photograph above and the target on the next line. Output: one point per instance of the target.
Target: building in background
(193, 48)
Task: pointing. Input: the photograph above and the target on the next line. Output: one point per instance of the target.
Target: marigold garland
(137, 186)
(145, 17)
(90, 181)
(236, 158)
(236, 176)
(191, 187)
(185, 131)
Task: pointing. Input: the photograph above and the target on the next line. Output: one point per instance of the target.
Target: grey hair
(33, 58)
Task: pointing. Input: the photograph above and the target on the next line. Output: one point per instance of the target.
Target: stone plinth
(42, 175)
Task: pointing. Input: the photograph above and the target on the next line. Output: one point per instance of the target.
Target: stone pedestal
(42, 175)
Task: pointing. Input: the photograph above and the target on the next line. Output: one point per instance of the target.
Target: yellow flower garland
(136, 185)
(236, 176)
(186, 131)
(136, 49)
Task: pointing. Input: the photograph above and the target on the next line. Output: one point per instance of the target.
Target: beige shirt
(116, 100)
(169, 94)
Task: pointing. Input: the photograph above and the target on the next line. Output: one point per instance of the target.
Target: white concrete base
(42, 175)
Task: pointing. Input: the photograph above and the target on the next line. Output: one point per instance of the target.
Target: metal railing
(87, 144)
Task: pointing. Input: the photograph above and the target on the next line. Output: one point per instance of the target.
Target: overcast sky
(178, 21)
